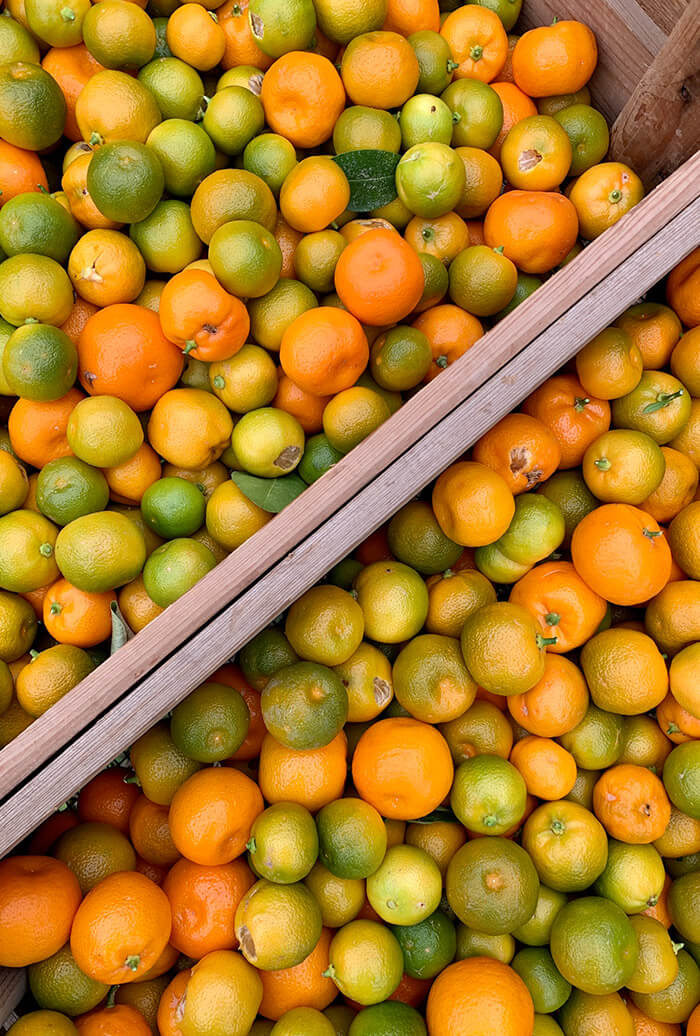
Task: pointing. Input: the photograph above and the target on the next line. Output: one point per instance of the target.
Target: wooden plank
(665, 13)
(659, 125)
(197, 659)
(627, 39)
(140, 655)
(13, 985)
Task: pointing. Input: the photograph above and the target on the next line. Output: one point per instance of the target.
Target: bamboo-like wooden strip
(660, 123)
(628, 38)
(13, 985)
(103, 687)
(203, 653)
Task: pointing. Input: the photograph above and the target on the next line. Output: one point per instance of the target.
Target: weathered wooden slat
(139, 656)
(13, 985)
(659, 125)
(665, 13)
(484, 405)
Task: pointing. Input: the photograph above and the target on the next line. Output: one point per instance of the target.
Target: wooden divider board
(193, 662)
(82, 706)
(13, 985)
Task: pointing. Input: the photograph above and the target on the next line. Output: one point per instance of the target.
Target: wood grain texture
(139, 656)
(659, 125)
(13, 985)
(665, 13)
(628, 39)
(309, 560)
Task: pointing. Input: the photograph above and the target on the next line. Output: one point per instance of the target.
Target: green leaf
(272, 494)
(121, 632)
(371, 175)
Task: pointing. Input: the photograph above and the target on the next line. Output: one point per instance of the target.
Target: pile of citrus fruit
(234, 237)
(454, 790)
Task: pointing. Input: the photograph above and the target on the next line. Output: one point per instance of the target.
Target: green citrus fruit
(352, 838)
(278, 28)
(594, 946)
(99, 552)
(40, 362)
(304, 705)
(58, 984)
(174, 568)
(588, 132)
(176, 86)
(17, 44)
(478, 112)
(166, 238)
(34, 288)
(271, 314)
(277, 926)
(401, 357)
(537, 930)
(283, 843)
(271, 157)
(245, 258)
(173, 507)
(233, 117)
(387, 1019)
(68, 488)
(428, 946)
(567, 844)
(211, 723)
(185, 152)
(430, 179)
(492, 885)
(104, 431)
(366, 962)
(416, 539)
(268, 442)
(119, 37)
(27, 560)
(434, 60)
(359, 128)
(35, 222)
(407, 886)
(32, 106)
(488, 795)
(264, 655)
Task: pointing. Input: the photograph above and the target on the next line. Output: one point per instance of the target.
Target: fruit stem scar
(545, 641)
(651, 533)
(67, 14)
(132, 961)
(552, 618)
(615, 195)
(580, 403)
(46, 550)
(602, 463)
(190, 344)
(476, 52)
(251, 845)
(55, 608)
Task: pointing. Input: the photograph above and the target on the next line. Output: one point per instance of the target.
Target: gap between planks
(197, 659)
(233, 576)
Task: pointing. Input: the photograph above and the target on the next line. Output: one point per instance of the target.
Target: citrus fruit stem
(662, 400)
(132, 962)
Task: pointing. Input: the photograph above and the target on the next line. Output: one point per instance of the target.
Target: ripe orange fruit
(314, 194)
(305, 985)
(379, 278)
(472, 503)
(324, 350)
(20, 171)
(203, 901)
(201, 318)
(402, 767)
(241, 47)
(71, 67)
(38, 900)
(536, 229)
(113, 946)
(479, 995)
(450, 331)
(555, 59)
(548, 769)
(631, 804)
(108, 798)
(556, 704)
(313, 778)
(72, 616)
(307, 408)
(303, 95)
(602, 195)
(478, 42)
(621, 553)
(379, 69)
(521, 449)
(123, 352)
(516, 106)
(574, 418)
(561, 603)
(38, 430)
(683, 289)
(211, 815)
